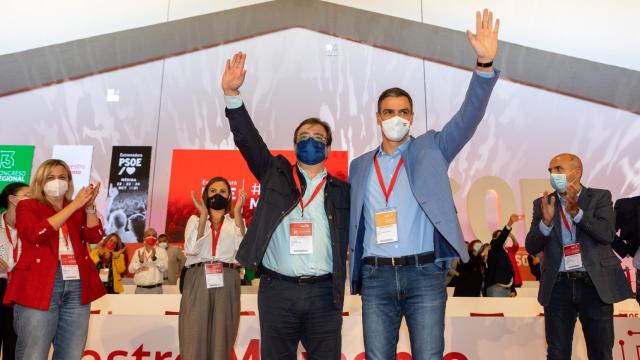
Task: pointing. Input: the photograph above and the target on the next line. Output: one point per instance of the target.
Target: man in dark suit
(581, 275)
(628, 241)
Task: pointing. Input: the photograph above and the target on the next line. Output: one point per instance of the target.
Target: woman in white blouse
(210, 304)
(9, 254)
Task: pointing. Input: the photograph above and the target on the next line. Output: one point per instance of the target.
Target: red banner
(192, 169)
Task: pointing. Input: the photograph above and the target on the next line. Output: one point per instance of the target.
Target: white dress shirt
(149, 272)
(199, 250)
(6, 248)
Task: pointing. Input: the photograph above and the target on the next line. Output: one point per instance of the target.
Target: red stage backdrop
(191, 169)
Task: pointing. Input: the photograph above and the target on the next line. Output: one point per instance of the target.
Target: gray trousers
(209, 318)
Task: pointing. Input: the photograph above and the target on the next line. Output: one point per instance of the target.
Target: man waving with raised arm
(298, 235)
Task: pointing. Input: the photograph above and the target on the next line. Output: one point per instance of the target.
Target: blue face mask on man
(311, 151)
(558, 182)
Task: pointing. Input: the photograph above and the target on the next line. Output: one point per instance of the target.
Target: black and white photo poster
(128, 192)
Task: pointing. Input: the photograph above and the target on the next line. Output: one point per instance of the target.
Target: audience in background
(512, 251)
(471, 273)
(110, 262)
(499, 280)
(175, 258)
(148, 265)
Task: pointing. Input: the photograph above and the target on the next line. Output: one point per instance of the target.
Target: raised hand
(234, 73)
(513, 219)
(141, 256)
(548, 207)
(485, 41)
(199, 204)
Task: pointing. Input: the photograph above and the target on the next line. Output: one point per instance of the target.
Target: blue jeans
(416, 292)
(65, 324)
(578, 298)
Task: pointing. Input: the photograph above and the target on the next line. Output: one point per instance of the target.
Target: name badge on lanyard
(572, 253)
(301, 230)
(300, 237)
(104, 275)
(69, 267)
(386, 219)
(214, 276)
(68, 261)
(386, 226)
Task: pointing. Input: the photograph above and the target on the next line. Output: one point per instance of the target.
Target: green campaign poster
(15, 164)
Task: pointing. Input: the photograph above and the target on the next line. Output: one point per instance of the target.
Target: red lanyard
(315, 192)
(385, 191)
(65, 233)
(566, 222)
(215, 235)
(14, 246)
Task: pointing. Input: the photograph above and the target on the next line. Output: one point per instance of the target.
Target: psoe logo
(6, 159)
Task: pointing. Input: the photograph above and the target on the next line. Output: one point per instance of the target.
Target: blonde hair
(40, 178)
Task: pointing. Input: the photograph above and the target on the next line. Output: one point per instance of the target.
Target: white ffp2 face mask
(395, 128)
(56, 188)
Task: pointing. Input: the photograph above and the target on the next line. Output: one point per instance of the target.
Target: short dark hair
(394, 92)
(314, 121)
(10, 189)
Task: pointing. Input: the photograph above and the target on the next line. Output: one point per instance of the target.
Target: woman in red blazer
(55, 280)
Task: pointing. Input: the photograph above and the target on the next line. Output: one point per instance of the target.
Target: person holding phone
(500, 276)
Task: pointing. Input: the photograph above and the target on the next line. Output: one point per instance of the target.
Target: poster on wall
(79, 158)
(128, 192)
(15, 164)
(192, 169)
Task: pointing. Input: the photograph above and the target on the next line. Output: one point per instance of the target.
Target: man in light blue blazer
(404, 228)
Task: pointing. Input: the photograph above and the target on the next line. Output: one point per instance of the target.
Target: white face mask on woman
(56, 187)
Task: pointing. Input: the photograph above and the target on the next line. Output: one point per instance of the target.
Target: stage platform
(129, 325)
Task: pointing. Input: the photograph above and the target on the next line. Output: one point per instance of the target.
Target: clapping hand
(82, 197)
(548, 207)
(572, 200)
(199, 204)
(95, 189)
